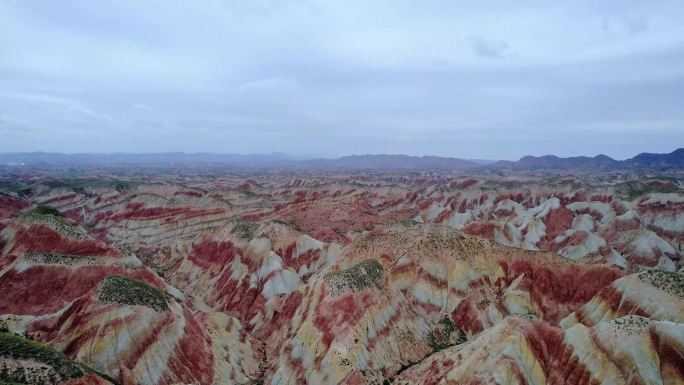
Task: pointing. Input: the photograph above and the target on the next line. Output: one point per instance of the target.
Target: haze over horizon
(487, 81)
(296, 157)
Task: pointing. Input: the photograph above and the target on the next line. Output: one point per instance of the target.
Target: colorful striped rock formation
(341, 278)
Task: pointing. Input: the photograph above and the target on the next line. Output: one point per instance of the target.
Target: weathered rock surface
(345, 279)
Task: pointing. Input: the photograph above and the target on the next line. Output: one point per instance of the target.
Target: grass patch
(126, 291)
(365, 274)
(443, 335)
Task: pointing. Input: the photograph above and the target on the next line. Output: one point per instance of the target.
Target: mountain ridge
(651, 161)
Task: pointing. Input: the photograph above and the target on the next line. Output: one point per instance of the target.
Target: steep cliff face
(403, 280)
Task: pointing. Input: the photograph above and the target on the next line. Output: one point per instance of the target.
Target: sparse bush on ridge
(365, 274)
(45, 210)
(127, 291)
(61, 367)
(57, 259)
(245, 229)
(669, 282)
(441, 337)
(19, 348)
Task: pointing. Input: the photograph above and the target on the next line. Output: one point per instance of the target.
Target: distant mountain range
(393, 162)
(675, 159)
(648, 161)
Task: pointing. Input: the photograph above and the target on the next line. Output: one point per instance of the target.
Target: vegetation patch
(126, 291)
(44, 213)
(56, 183)
(123, 186)
(365, 274)
(245, 229)
(80, 190)
(446, 334)
(52, 217)
(19, 348)
(669, 282)
(13, 185)
(630, 324)
(290, 224)
(281, 222)
(57, 259)
(635, 189)
(45, 210)
(59, 367)
(79, 186)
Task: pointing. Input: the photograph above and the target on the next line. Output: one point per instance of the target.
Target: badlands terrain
(135, 275)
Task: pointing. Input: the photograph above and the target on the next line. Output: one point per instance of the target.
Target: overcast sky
(471, 79)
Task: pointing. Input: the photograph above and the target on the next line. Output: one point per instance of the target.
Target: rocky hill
(643, 161)
(231, 277)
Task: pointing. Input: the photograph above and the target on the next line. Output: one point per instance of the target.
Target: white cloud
(142, 107)
(439, 77)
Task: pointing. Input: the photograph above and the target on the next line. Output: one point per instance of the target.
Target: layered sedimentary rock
(630, 332)
(111, 313)
(344, 279)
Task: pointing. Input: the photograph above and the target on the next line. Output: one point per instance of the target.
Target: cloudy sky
(472, 79)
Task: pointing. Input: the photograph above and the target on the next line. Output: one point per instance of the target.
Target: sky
(470, 79)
